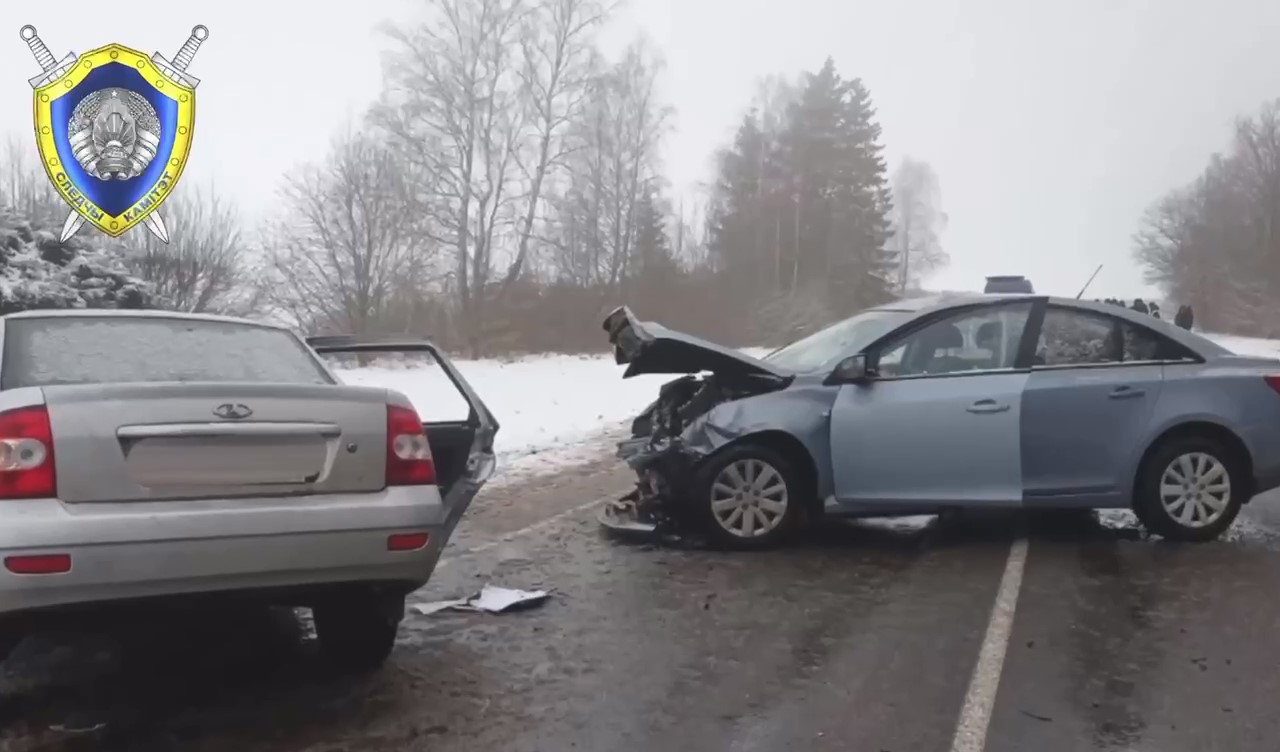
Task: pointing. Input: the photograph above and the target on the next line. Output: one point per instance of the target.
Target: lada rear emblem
(232, 411)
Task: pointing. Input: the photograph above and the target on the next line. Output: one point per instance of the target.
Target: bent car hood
(646, 347)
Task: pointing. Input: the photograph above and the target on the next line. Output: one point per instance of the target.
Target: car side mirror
(851, 370)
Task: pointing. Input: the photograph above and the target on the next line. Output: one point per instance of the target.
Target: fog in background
(1050, 127)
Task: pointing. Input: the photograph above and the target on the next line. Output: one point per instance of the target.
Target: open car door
(462, 449)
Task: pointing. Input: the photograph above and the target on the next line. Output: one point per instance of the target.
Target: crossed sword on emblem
(52, 69)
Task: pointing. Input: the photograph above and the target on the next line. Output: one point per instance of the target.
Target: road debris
(67, 728)
(491, 599)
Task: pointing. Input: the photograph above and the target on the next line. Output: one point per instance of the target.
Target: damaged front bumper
(663, 472)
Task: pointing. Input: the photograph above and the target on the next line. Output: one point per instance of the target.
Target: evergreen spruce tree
(37, 270)
(834, 152)
(731, 244)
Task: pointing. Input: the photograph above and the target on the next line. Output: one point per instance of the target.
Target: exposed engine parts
(659, 453)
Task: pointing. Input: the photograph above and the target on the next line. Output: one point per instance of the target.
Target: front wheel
(1190, 489)
(358, 630)
(748, 497)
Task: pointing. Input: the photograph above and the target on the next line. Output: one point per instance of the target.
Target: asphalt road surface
(1004, 632)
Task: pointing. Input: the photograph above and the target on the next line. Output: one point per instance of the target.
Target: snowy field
(557, 410)
(1264, 348)
(554, 410)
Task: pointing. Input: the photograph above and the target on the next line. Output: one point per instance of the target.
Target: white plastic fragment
(491, 599)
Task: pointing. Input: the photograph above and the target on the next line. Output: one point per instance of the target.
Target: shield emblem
(114, 134)
(114, 130)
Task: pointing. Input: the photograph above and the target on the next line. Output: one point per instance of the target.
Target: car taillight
(26, 454)
(409, 460)
(1273, 382)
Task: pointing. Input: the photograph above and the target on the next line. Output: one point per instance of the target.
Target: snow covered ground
(557, 410)
(1266, 348)
(554, 410)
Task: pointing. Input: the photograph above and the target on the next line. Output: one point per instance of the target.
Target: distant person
(1139, 306)
(1184, 317)
(1155, 309)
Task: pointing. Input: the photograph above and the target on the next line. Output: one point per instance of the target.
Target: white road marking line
(535, 527)
(975, 715)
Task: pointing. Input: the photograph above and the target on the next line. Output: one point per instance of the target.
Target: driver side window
(976, 340)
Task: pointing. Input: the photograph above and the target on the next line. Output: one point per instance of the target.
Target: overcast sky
(1051, 125)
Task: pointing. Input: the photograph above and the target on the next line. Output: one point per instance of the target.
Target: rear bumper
(127, 551)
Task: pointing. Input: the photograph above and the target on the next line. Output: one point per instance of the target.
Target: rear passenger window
(1071, 338)
(1141, 344)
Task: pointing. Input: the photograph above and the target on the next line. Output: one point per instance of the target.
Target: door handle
(986, 406)
(1126, 392)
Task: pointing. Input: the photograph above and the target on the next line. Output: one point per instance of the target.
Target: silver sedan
(925, 405)
(151, 455)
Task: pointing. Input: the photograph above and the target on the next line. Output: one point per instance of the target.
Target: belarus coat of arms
(114, 129)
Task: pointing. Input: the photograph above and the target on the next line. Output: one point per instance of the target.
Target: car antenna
(1086, 284)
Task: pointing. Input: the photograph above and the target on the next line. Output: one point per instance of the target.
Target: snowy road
(1001, 633)
(862, 637)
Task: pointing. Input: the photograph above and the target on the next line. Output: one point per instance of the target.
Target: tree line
(506, 190)
(1214, 244)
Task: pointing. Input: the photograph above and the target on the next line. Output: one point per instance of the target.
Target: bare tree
(558, 61)
(1215, 244)
(350, 241)
(918, 220)
(205, 267)
(613, 168)
(451, 107)
(479, 95)
(25, 187)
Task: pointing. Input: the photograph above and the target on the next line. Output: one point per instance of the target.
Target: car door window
(1075, 338)
(976, 340)
(1142, 344)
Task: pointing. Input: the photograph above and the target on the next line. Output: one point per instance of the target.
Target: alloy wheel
(1195, 489)
(749, 498)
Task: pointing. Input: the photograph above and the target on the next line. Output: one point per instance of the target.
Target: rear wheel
(748, 497)
(1190, 489)
(358, 630)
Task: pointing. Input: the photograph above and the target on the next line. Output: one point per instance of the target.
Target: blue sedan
(951, 402)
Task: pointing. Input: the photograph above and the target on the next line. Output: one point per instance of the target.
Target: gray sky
(1051, 125)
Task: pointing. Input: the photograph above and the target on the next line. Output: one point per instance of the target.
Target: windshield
(824, 348)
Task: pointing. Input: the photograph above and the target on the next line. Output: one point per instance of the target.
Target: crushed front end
(669, 440)
(674, 434)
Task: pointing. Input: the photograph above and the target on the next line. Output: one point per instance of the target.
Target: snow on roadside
(554, 410)
(1262, 348)
(551, 409)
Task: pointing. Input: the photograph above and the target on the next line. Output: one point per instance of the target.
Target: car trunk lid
(169, 441)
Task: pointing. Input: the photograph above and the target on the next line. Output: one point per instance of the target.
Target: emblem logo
(114, 130)
(232, 411)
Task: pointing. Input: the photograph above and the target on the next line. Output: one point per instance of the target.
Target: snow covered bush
(38, 271)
